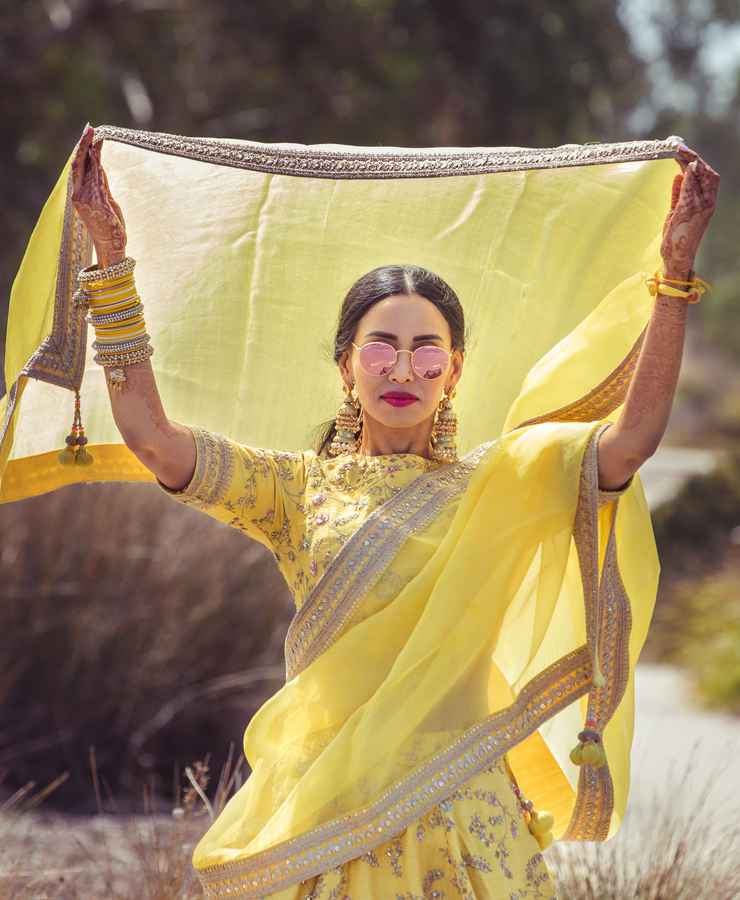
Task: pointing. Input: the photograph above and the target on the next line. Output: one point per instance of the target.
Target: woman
(356, 789)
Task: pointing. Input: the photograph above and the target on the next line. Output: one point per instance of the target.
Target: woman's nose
(403, 370)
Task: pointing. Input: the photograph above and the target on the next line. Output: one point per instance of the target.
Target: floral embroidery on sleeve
(256, 490)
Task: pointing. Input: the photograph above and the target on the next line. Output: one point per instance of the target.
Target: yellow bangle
(658, 284)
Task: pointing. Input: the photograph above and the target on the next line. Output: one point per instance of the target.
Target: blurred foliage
(334, 71)
(387, 72)
(697, 611)
(710, 644)
(693, 529)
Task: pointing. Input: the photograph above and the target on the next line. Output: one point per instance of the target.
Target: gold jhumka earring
(347, 423)
(444, 431)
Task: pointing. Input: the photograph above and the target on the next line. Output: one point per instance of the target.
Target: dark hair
(376, 285)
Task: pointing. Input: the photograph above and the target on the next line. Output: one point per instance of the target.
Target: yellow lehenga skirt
(475, 845)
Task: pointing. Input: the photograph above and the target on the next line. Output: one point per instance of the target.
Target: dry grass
(673, 845)
(664, 853)
(134, 624)
(110, 857)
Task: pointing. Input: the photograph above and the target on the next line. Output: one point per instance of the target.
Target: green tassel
(75, 452)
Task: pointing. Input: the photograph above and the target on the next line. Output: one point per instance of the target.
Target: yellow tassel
(542, 821)
(590, 747)
(540, 825)
(593, 754)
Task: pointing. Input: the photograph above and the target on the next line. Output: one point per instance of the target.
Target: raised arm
(635, 436)
(166, 448)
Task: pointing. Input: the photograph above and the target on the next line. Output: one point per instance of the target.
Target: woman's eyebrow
(394, 337)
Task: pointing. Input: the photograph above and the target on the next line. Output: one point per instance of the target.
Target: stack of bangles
(690, 290)
(117, 314)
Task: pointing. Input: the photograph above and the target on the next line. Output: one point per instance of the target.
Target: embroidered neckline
(379, 458)
(412, 457)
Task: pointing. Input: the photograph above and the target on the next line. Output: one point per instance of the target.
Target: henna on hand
(693, 201)
(94, 202)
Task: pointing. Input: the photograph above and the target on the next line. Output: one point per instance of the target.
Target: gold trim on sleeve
(214, 468)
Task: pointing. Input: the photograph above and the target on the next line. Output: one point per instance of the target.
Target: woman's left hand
(693, 200)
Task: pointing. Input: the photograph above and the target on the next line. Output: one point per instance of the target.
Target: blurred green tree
(392, 72)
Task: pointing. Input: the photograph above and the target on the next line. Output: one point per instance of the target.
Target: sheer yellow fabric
(512, 581)
(244, 251)
(306, 509)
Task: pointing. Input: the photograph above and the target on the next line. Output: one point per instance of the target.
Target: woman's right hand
(94, 202)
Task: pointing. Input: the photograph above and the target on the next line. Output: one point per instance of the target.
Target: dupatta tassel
(75, 453)
(539, 823)
(590, 747)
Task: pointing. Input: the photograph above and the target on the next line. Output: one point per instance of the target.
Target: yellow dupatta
(390, 705)
(512, 584)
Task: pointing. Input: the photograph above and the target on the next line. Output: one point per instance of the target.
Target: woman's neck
(371, 445)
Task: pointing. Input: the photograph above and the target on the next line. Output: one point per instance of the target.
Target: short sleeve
(256, 490)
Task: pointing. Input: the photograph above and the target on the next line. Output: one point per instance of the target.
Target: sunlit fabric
(513, 573)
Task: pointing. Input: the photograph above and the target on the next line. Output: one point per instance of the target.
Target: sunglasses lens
(377, 358)
(430, 362)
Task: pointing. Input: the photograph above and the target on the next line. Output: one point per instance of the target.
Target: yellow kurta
(475, 843)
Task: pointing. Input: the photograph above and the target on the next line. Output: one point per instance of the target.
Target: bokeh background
(138, 633)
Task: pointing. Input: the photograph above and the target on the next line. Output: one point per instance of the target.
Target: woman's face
(405, 322)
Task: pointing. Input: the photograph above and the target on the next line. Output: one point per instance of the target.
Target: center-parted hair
(376, 285)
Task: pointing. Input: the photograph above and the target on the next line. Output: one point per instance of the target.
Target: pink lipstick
(399, 399)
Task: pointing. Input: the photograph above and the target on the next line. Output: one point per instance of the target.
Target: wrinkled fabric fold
(245, 249)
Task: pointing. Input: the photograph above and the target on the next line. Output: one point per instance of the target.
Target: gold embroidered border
(347, 837)
(609, 617)
(365, 556)
(13, 395)
(600, 400)
(314, 161)
(60, 358)
(214, 469)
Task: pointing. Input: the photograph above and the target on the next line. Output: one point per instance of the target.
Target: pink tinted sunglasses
(379, 358)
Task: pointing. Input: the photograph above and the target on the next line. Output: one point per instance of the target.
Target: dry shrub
(662, 851)
(132, 624)
(673, 845)
(696, 533)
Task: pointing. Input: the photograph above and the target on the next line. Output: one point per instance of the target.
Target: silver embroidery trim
(9, 410)
(214, 470)
(60, 357)
(314, 161)
(602, 399)
(594, 800)
(364, 557)
(346, 837)
(608, 614)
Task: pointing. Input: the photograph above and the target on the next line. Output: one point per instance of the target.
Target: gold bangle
(658, 284)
